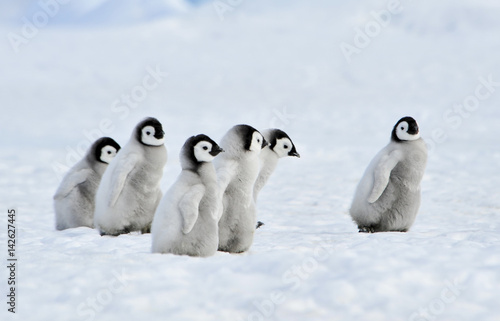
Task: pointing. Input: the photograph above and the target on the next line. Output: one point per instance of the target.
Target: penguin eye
(205, 148)
(109, 152)
(148, 133)
(402, 128)
(285, 147)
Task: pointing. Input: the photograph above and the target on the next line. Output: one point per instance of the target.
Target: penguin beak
(159, 133)
(264, 142)
(293, 152)
(216, 150)
(413, 130)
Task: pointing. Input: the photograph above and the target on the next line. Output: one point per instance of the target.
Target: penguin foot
(366, 229)
(126, 230)
(109, 234)
(259, 224)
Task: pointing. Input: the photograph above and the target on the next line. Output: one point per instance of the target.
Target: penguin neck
(100, 168)
(240, 156)
(397, 141)
(250, 156)
(204, 170)
(416, 145)
(96, 165)
(268, 162)
(152, 154)
(207, 173)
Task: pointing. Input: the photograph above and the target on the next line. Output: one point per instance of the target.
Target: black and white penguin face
(281, 143)
(105, 149)
(284, 147)
(150, 132)
(250, 138)
(199, 149)
(406, 129)
(107, 154)
(257, 142)
(205, 151)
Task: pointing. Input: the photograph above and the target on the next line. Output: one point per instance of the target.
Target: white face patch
(148, 137)
(202, 152)
(283, 147)
(402, 132)
(107, 154)
(256, 145)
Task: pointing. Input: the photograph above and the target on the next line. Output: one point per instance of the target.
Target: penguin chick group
(115, 190)
(212, 204)
(208, 208)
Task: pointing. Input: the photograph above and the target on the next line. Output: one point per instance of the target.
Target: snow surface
(267, 64)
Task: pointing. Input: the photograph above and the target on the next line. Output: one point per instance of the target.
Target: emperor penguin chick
(74, 201)
(388, 196)
(186, 221)
(130, 188)
(280, 145)
(237, 170)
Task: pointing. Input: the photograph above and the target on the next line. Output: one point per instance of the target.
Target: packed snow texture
(336, 76)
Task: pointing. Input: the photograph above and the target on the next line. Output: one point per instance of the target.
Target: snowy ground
(266, 64)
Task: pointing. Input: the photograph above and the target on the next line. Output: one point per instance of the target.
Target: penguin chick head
(252, 139)
(149, 132)
(281, 143)
(105, 149)
(406, 129)
(198, 149)
(241, 140)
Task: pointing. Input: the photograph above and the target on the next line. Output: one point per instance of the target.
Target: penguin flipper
(119, 177)
(225, 174)
(189, 207)
(261, 179)
(259, 184)
(382, 174)
(70, 182)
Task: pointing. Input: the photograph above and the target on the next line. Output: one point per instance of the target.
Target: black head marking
(150, 121)
(100, 144)
(277, 134)
(412, 128)
(246, 133)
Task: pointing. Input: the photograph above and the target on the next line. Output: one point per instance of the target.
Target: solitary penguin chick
(237, 170)
(129, 192)
(280, 145)
(388, 196)
(185, 222)
(74, 201)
